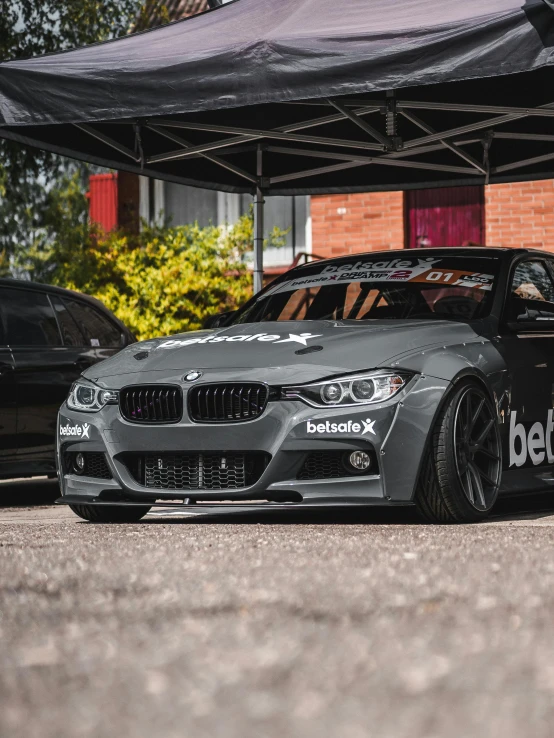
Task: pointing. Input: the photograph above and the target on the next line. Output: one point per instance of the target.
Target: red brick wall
(520, 214)
(349, 224)
(516, 214)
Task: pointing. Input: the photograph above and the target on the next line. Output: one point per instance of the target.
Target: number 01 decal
(456, 278)
(439, 276)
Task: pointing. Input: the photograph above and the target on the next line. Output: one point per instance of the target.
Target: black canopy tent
(304, 97)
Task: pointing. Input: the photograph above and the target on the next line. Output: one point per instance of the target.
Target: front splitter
(200, 507)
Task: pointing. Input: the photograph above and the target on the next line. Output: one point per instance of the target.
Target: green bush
(163, 281)
(169, 279)
(167, 283)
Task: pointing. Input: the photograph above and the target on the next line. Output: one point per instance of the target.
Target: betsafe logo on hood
(272, 338)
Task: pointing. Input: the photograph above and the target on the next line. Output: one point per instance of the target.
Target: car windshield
(448, 288)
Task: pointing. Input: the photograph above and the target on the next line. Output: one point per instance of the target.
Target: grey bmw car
(419, 378)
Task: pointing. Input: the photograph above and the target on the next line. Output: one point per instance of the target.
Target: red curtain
(449, 216)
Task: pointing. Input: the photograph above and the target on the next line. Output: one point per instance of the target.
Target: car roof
(40, 287)
(498, 251)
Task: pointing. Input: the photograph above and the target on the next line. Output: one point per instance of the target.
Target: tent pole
(259, 225)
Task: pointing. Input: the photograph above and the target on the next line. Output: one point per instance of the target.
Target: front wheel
(460, 476)
(110, 513)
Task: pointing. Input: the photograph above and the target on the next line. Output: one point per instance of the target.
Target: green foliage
(30, 28)
(169, 281)
(153, 13)
(164, 281)
(64, 233)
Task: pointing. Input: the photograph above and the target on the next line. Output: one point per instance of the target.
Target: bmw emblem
(192, 376)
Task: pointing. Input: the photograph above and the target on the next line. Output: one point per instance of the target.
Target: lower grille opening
(333, 465)
(87, 464)
(112, 495)
(190, 471)
(288, 496)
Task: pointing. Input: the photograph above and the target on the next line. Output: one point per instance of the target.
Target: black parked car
(48, 336)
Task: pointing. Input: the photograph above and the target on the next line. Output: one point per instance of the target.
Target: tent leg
(258, 228)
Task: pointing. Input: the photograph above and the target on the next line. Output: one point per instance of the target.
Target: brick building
(518, 214)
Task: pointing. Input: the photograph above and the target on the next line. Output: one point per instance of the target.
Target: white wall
(182, 205)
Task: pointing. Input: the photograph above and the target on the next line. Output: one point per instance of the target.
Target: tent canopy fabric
(305, 96)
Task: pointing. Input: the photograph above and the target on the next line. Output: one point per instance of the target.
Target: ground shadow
(343, 516)
(28, 492)
(41, 492)
(524, 507)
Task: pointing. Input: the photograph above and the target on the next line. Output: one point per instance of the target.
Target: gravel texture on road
(287, 626)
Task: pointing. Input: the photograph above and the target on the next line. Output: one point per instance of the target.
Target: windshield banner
(428, 270)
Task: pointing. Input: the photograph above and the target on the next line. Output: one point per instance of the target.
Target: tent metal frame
(376, 147)
(390, 148)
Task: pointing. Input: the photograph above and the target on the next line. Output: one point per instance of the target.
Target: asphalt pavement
(331, 625)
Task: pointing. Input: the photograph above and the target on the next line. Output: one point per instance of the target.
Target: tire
(462, 466)
(110, 513)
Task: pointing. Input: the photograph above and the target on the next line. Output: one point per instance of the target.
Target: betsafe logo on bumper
(75, 431)
(350, 427)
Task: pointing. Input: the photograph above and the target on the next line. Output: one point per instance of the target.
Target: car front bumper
(394, 433)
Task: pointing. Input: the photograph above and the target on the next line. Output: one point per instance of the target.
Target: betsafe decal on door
(531, 444)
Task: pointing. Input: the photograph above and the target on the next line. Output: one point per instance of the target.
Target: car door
(527, 343)
(82, 353)
(8, 406)
(44, 371)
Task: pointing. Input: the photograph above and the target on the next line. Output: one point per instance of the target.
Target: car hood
(278, 352)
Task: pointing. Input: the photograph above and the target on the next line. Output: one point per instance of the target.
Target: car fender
(440, 369)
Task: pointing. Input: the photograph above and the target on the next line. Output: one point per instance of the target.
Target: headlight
(89, 399)
(362, 389)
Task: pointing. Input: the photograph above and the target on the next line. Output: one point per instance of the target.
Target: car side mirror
(220, 320)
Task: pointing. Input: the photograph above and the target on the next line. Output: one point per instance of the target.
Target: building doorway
(447, 216)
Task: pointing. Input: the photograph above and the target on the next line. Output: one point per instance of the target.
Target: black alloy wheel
(477, 449)
(462, 467)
